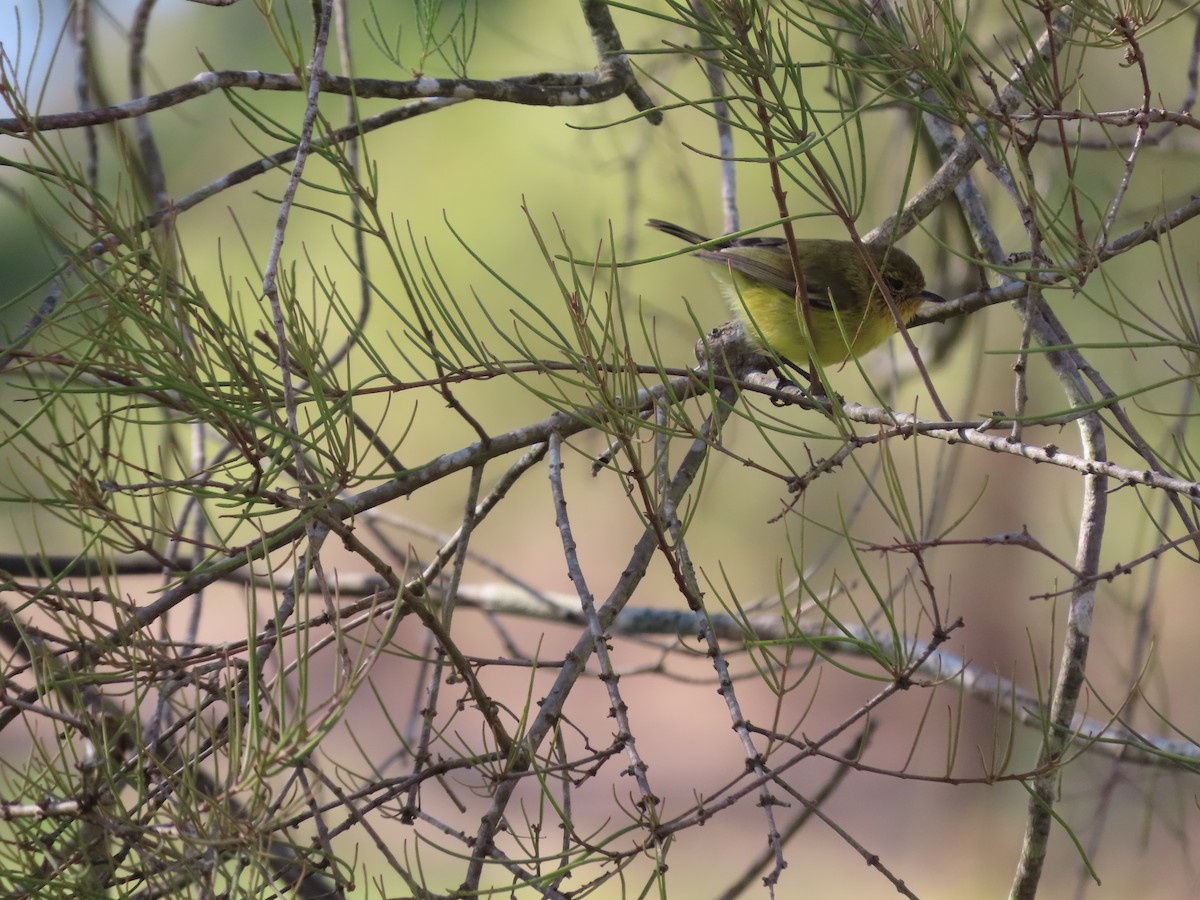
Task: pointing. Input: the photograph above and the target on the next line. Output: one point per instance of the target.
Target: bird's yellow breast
(774, 320)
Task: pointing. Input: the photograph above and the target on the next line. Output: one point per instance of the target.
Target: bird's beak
(932, 297)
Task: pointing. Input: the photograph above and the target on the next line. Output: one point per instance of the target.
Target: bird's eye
(896, 285)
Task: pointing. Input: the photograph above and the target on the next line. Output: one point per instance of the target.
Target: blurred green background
(472, 168)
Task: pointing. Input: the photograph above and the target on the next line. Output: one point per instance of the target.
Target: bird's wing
(760, 263)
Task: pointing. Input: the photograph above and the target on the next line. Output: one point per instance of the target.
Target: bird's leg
(786, 379)
(815, 386)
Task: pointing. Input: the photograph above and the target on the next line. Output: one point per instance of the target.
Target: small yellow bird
(848, 312)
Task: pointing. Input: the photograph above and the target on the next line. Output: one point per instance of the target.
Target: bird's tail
(678, 231)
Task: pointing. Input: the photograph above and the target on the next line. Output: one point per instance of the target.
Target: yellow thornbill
(848, 313)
